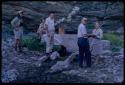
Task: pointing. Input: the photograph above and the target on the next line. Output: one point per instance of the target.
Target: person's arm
(46, 27)
(15, 22)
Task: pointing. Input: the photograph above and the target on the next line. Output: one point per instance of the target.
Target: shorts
(18, 34)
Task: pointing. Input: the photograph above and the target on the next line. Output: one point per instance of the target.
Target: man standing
(17, 24)
(49, 25)
(83, 44)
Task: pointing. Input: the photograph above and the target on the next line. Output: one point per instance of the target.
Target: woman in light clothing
(96, 42)
(18, 24)
(42, 31)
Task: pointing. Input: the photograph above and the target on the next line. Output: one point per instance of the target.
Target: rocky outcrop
(35, 11)
(70, 42)
(63, 65)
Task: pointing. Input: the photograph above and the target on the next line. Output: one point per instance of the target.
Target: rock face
(110, 13)
(63, 65)
(70, 42)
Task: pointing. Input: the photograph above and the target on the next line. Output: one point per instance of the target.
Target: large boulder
(70, 42)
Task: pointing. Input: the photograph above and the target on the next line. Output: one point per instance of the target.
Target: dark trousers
(84, 51)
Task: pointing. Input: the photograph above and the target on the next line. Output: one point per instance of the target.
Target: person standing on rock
(49, 24)
(41, 30)
(17, 24)
(83, 44)
(96, 41)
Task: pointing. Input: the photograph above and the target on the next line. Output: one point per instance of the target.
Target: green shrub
(32, 43)
(90, 26)
(115, 49)
(114, 39)
(56, 47)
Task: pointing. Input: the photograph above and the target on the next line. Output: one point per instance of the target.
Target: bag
(62, 51)
(54, 55)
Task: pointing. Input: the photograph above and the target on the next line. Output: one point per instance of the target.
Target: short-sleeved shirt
(98, 33)
(50, 23)
(81, 30)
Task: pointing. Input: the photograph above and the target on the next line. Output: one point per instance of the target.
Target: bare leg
(20, 46)
(97, 59)
(16, 45)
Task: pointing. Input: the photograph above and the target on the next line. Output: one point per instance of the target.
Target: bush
(115, 49)
(56, 47)
(90, 26)
(32, 42)
(115, 40)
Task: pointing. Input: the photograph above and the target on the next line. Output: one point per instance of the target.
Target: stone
(59, 66)
(25, 49)
(41, 60)
(119, 56)
(120, 30)
(22, 61)
(9, 76)
(106, 44)
(71, 57)
(63, 65)
(57, 39)
(122, 50)
(107, 52)
(54, 55)
(118, 79)
(64, 9)
(44, 58)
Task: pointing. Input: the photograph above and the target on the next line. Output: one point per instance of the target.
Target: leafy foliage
(32, 43)
(115, 40)
(56, 47)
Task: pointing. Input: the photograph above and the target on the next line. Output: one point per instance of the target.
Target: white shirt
(98, 33)
(81, 30)
(50, 23)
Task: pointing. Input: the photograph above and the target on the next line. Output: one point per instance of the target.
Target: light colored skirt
(96, 47)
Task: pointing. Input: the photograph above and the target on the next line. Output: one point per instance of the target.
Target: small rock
(25, 49)
(122, 50)
(118, 79)
(54, 55)
(106, 44)
(107, 52)
(10, 75)
(59, 66)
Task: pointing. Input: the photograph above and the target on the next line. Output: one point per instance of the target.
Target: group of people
(48, 27)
